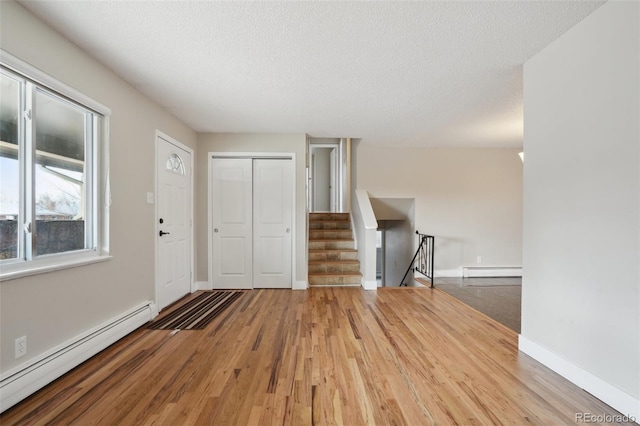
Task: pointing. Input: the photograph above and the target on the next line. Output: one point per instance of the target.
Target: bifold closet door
(232, 217)
(252, 223)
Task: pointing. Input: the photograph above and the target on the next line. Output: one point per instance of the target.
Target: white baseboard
(370, 284)
(447, 273)
(20, 382)
(491, 271)
(300, 285)
(623, 402)
(202, 285)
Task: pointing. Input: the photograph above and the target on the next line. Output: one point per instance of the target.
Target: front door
(173, 236)
(251, 218)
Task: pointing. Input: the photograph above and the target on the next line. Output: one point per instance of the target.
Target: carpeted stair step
(333, 267)
(331, 244)
(344, 254)
(341, 217)
(330, 234)
(352, 278)
(329, 224)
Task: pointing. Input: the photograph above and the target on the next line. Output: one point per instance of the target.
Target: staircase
(333, 261)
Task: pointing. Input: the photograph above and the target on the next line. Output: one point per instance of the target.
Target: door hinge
(27, 114)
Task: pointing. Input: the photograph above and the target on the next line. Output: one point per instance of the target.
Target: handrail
(424, 256)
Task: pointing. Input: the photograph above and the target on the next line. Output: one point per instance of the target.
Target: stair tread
(330, 239)
(351, 261)
(331, 250)
(334, 274)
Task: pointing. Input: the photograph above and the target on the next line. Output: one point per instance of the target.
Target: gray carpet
(498, 298)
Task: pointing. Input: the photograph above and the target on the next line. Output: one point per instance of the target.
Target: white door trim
(167, 138)
(251, 155)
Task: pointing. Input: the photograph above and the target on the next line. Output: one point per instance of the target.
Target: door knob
(288, 230)
(164, 233)
(215, 230)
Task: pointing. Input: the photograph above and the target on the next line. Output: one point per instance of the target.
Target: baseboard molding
(623, 402)
(370, 284)
(300, 285)
(447, 273)
(491, 271)
(202, 285)
(22, 381)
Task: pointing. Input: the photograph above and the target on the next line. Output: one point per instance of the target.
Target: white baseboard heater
(22, 381)
(491, 271)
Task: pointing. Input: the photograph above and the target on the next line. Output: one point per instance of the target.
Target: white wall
(250, 142)
(581, 284)
(55, 307)
(470, 199)
(364, 230)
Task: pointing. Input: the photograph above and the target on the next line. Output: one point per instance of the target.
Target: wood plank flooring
(325, 356)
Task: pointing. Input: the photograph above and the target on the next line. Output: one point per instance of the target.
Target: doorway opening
(328, 175)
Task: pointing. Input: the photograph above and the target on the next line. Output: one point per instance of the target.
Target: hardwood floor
(413, 356)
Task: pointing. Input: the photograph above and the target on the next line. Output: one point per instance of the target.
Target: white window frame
(97, 180)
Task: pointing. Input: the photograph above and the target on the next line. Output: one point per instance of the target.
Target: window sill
(50, 265)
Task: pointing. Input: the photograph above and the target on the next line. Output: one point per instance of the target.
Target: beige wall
(470, 199)
(52, 308)
(250, 142)
(581, 288)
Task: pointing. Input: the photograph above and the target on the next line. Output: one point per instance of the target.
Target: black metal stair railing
(423, 259)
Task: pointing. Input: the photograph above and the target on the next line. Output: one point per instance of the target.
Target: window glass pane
(9, 170)
(59, 175)
(174, 164)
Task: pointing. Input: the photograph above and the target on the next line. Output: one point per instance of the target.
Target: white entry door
(251, 217)
(174, 222)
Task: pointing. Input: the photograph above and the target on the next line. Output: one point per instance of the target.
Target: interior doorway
(328, 175)
(323, 178)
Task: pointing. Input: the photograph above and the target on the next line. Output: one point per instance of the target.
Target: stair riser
(329, 225)
(333, 268)
(330, 245)
(334, 255)
(329, 216)
(334, 280)
(329, 234)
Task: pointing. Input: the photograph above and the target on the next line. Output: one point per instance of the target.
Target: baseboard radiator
(491, 271)
(26, 379)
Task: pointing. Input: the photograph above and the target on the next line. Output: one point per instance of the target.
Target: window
(174, 164)
(49, 170)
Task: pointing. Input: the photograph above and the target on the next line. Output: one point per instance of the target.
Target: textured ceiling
(393, 73)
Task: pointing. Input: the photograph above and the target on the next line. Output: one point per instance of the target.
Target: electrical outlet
(21, 346)
(479, 259)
